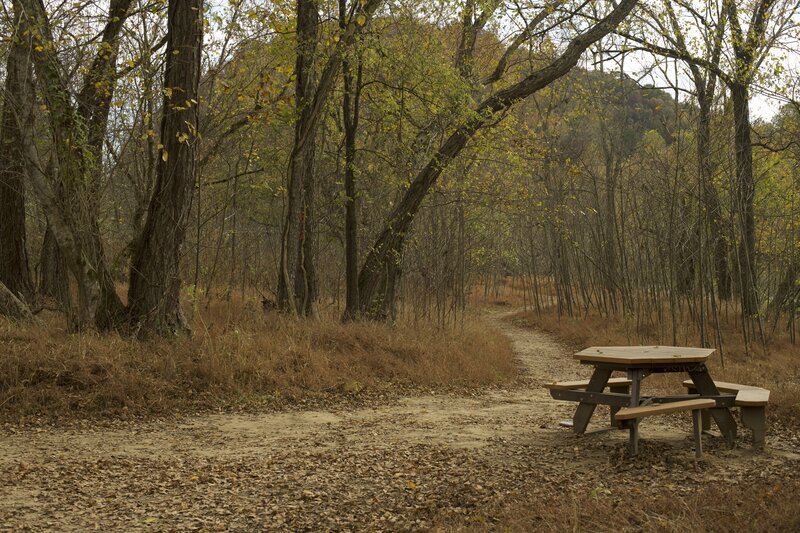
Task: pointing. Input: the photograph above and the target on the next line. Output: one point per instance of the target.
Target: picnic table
(638, 362)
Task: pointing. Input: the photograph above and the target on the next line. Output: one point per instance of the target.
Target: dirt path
(422, 461)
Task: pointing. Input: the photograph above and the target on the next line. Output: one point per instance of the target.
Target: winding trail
(422, 461)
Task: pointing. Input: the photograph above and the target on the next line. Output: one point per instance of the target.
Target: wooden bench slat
(724, 386)
(582, 384)
(663, 408)
(752, 397)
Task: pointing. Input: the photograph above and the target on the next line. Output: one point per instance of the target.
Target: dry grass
(760, 507)
(503, 292)
(238, 356)
(777, 369)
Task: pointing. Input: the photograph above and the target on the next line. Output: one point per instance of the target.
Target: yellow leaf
(164, 155)
(361, 19)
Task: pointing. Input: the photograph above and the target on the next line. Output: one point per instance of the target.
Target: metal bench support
(698, 442)
(754, 418)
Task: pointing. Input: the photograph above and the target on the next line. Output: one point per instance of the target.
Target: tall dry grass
(237, 356)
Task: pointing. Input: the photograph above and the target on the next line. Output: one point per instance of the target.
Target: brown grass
(761, 506)
(238, 356)
(504, 291)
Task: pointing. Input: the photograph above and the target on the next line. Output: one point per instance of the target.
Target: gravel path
(422, 461)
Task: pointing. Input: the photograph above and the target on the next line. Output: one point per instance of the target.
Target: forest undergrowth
(238, 357)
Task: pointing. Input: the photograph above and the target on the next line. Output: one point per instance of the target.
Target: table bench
(634, 414)
(751, 401)
(583, 383)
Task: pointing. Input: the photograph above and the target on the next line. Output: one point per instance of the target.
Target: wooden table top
(635, 355)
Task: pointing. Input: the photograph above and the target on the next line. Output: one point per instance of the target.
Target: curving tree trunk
(94, 104)
(154, 294)
(377, 279)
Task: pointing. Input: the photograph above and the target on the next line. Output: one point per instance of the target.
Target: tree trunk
(94, 100)
(746, 51)
(18, 103)
(609, 240)
(712, 205)
(94, 104)
(66, 204)
(745, 189)
(297, 256)
(154, 293)
(294, 283)
(788, 291)
(350, 112)
(385, 253)
(69, 200)
(306, 287)
(53, 275)
(705, 86)
(472, 23)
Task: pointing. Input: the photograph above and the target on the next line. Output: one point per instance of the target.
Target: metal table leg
(635, 376)
(722, 415)
(583, 413)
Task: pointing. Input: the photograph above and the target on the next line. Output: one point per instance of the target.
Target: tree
(769, 20)
(69, 197)
(351, 102)
(154, 294)
(297, 284)
(749, 49)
